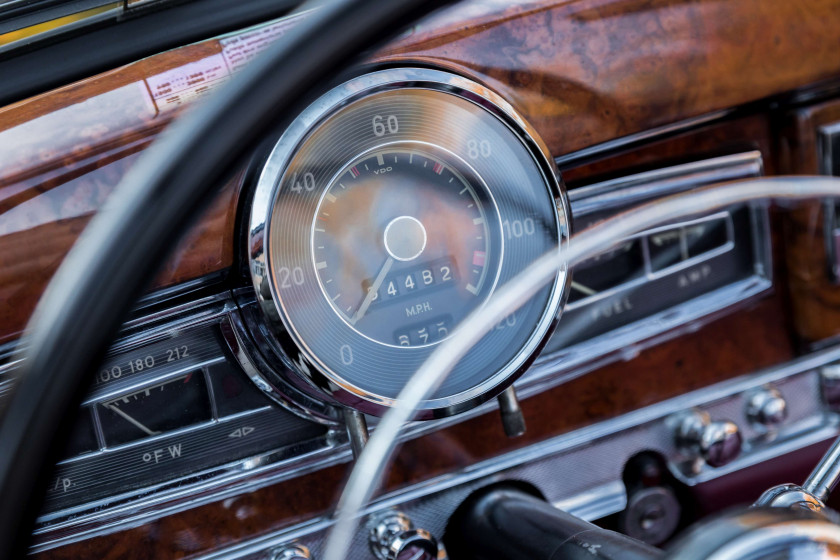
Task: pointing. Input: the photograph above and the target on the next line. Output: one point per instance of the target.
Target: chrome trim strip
(163, 295)
(580, 156)
(180, 495)
(139, 330)
(629, 340)
(157, 326)
(632, 189)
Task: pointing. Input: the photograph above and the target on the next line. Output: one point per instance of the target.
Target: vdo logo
(382, 170)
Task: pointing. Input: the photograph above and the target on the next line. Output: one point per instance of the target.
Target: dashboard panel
(178, 453)
(170, 403)
(664, 269)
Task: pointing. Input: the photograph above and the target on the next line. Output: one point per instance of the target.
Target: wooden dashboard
(612, 86)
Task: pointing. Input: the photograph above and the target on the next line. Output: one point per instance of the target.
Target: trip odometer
(425, 254)
(386, 213)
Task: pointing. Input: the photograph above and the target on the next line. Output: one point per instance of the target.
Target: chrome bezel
(294, 362)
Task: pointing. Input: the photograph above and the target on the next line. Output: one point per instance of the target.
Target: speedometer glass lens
(387, 213)
(426, 253)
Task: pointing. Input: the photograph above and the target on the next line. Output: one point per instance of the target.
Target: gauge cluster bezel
(290, 369)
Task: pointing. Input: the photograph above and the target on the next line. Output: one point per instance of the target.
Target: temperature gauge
(170, 405)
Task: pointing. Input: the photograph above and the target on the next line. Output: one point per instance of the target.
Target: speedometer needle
(372, 291)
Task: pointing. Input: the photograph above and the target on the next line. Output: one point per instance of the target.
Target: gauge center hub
(405, 238)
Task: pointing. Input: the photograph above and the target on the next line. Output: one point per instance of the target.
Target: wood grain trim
(588, 71)
(63, 153)
(29, 258)
(814, 298)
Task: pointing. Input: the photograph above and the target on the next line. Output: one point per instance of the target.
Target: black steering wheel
(115, 258)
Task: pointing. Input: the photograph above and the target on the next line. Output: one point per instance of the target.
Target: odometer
(392, 208)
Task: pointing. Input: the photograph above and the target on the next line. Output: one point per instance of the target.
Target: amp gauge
(393, 207)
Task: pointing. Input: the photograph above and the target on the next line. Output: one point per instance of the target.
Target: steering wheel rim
(104, 273)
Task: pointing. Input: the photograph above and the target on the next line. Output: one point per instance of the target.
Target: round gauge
(391, 209)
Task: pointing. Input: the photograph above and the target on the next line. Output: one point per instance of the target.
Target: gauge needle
(372, 291)
(132, 420)
(581, 288)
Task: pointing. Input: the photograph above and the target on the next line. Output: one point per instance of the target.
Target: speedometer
(393, 207)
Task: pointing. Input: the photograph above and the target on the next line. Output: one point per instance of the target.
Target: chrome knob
(767, 408)
(290, 552)
(392, 533)
(717, 443)
(790, 496)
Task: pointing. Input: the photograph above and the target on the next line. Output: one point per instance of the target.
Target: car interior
(405, 279)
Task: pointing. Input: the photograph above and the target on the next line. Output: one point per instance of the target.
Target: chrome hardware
(816, 490)
(789, 496)
(392, 533)
(717, 443)
(760, 533)
(651, 516)
(290, 552)
(825, 475)
(767, 408)
(586, 493)
(513, 420)
(357, 430)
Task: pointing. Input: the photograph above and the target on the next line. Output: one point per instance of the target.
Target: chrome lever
(825, 475)
(816, 490)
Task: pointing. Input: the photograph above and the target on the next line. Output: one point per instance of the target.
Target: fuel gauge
(608, 270)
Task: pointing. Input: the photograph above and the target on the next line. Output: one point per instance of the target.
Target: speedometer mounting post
(513, 421)
(357, 430)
